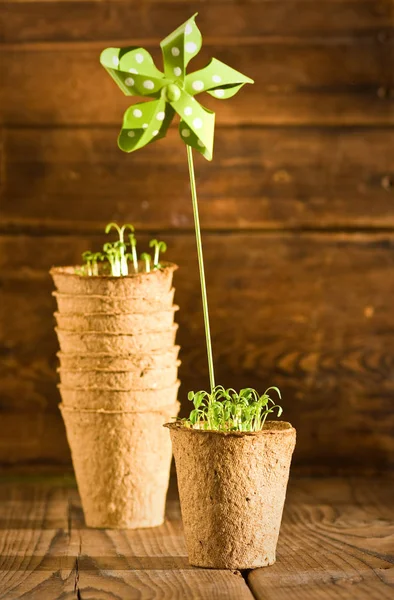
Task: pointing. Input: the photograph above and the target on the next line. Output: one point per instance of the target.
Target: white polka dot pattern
(190, 47)
(198, 85)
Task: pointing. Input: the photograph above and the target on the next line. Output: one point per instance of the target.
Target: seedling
(159, 247)
(133, 245)
(117, 256)
(112, 254)
(227, 410)
(87, 258)
(121, 231)
(147, 258)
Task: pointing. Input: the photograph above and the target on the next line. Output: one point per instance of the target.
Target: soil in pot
(73, 303)
(122, 465)
(115, 343)
(147, 285)
(125, 323)
(104, 379)
(119, 400)
(129, 362)
(232, 490)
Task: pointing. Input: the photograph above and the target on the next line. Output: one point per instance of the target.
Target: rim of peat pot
(270, 427)
(161, 409)
(69, 271)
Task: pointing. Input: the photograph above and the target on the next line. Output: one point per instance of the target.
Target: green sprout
(159, 247)
(115, 253)
(134, 257)
(147, 258)
(121, 230)
(96, 257)
(87, 258)
(112, 255)
(228, 410)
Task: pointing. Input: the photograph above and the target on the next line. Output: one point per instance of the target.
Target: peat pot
(119, 400)
(88, 342)
(122, 465)
(146, 379)
(139, 285)
(160, 320)
(127, 362)
(72, 303)
(232, 488)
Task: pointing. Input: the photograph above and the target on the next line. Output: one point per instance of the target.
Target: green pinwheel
(171, 92)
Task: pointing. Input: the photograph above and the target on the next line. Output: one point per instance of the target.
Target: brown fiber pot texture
(115, 343)
(71, 303)
(131, 323)
(232, 490)
(141, 285)
(146, 379)
(119, 400)
(159, 359)
(122, 465)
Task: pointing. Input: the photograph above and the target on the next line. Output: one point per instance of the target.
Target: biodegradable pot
(119, 400)
(104, 379)
(126, 323)
(115, 343)
(159, 359)
(139, 285)
(71, 303)
(232, 489)
(122, 465)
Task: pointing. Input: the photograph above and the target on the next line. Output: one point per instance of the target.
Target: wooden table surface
(337, 541)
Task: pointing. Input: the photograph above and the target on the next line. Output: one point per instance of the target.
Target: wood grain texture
(47, 552)
(261, 178)
(36, 546)
(295, 310)
(337, 541)
(83, 21)
(308, 147)
(349, 80)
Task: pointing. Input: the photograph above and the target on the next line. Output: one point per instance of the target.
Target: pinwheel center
(172, 92)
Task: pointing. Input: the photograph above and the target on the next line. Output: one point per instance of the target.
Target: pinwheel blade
(197, 124)
(134, 71)
(218, 79)
(179, 48)
(144, 123)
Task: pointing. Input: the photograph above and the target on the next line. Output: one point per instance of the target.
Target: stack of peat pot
(118, 373)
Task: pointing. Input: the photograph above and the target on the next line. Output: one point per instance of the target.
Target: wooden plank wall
(297, 208)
